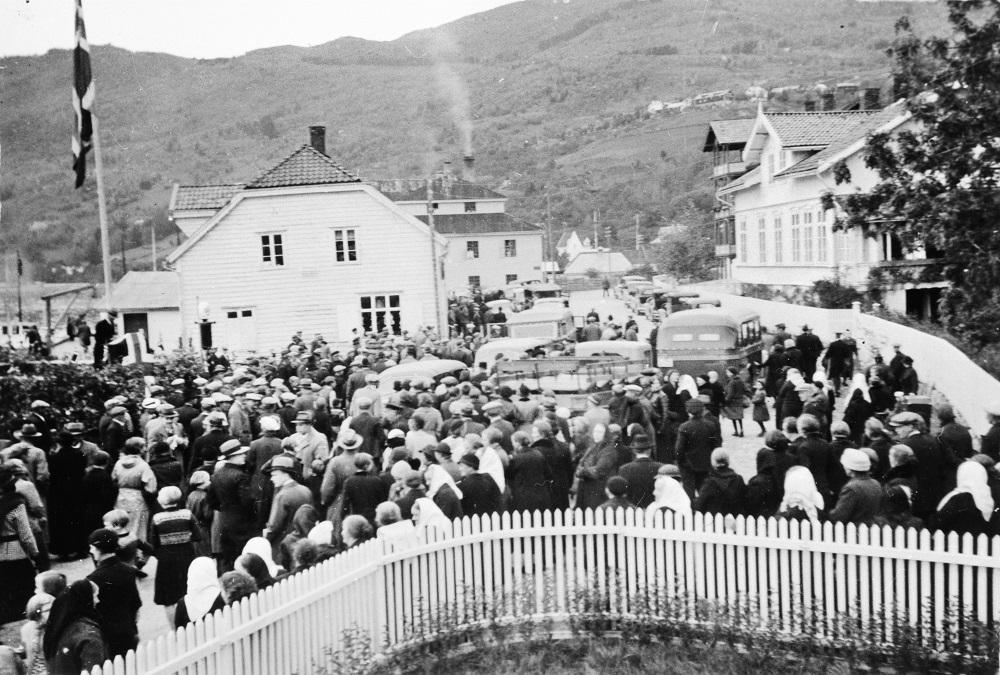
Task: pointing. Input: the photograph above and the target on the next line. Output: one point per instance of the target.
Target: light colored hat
(269, 423)
(856, 460)
(287, 396)
(371, 377)
(177, 382)
(200, 381)
(254, 396)
(39, 403)
(269, 400)
(222, 398)
(905, 417)
(350, 439)
(396, 433)
(150, 404)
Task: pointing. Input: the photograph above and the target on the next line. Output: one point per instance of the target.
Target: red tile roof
(305, 166)
(480, 223)
(797, 129)
(196, 197)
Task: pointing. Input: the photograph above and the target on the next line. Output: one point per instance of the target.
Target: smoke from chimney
(317, 138)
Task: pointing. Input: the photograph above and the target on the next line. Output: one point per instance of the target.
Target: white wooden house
(149, 302)
(306, 246)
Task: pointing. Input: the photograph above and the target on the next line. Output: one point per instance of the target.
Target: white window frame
(511, 278)
(471, 249)
(807, 237)
(741, 237)
(475, 281)
(779, 240)
(344, 237)
(374, 312)
(272, 249)
(796, 237)
(762, 240)
(510, 248)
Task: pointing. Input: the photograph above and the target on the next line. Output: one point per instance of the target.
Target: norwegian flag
(83, 98)
(130, 348)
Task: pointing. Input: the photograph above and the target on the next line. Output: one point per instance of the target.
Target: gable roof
(442, 189)
(146, 290)
(855, 135)
(305, 166)
(197, 197)
(728, 132)
(811, 129)
(480, 223)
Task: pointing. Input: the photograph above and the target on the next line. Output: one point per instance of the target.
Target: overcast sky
(217, 28)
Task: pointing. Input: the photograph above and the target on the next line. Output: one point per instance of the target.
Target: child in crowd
(131, 550)
(759, 402)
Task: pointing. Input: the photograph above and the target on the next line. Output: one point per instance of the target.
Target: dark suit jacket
(119, 603)
(362, 493)
(480, 494)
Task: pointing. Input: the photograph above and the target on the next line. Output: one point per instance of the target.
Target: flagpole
(102, 212)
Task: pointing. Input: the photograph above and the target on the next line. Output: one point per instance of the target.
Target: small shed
(149, 302)
(605, 262)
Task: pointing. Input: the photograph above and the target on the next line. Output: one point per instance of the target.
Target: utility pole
(548, 276)
(152, 234)
(124, 263)
(637, 232)
(597, 222)
(434, 260)
(20, 271)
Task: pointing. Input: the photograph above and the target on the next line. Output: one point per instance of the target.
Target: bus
(698, 340)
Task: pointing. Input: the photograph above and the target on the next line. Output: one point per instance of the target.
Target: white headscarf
(801, 492)
(437, 477)
(401, 535)
(262, 547)
(202, 587)
(672, 496)
(491, 464)
(431, 516)
(971, 477)
(687, 383)
(321, 533)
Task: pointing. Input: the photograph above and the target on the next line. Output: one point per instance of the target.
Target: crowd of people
(258, 468)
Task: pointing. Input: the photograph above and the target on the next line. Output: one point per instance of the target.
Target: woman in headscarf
(427, 516)
(203, 593)
(441, 487)
(73, 640)
(969, 507)
(858, 410)
(669, 495)
(262, 547)
(136, 483)
(303, 522)
(801, 500)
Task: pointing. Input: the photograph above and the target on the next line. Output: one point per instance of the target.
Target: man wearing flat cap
(369, 391)
(207, 448)
(229, 495)
(935, 470)
(289, 495)
(311, 447)
(118, 597)
(480, 493)
(860, 500)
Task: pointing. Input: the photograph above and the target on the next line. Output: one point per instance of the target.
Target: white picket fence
(548, 564)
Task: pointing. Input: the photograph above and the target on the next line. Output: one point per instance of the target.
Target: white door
(240, 330)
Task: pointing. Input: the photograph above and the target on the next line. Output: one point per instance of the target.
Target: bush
(831, 294)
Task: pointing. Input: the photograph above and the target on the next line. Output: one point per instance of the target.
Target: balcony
(729, 169)
(725, 250)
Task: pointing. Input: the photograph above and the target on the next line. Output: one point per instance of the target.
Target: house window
(345, 245)
(472, 249)
(796, 238)
(743, 240)
(821, 238)
(807, 237)
(272, 250)
(470, 207)
(381, 312)
(474, 282)
(762, 240)
(845, 247)
(779, 242)
(509, 248)
(511, 278)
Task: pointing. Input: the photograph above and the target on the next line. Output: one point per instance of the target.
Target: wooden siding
(491, 266)
(224, 267)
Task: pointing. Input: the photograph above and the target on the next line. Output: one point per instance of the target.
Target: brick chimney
(809, 105)
(829, 101)
(871, 98)
(468, 169)
(317, 138)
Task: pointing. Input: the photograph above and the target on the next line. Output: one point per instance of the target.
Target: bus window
(682, 337)
(709, 337)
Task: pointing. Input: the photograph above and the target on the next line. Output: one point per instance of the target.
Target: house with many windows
(487, 247)
(783, 234)
(304, 246)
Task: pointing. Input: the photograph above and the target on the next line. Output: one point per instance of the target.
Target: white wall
(447, 208)
(492, 266)
(311, 292)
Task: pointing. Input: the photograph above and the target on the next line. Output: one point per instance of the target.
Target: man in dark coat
(696, 439)
(230, 497)
(413, 481)
(364, 490)
(207, 449)
(640, 474)
(953, 437)
(67, 464)
(118, 597)
(814, 453)
(104, 331)
(116, 433)
(615, 491)
(811, 347)
(480, 494)
(559, 459)
(838, 362)
(896, 366)
(934, 470)
(990, 445)
(368, 427)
